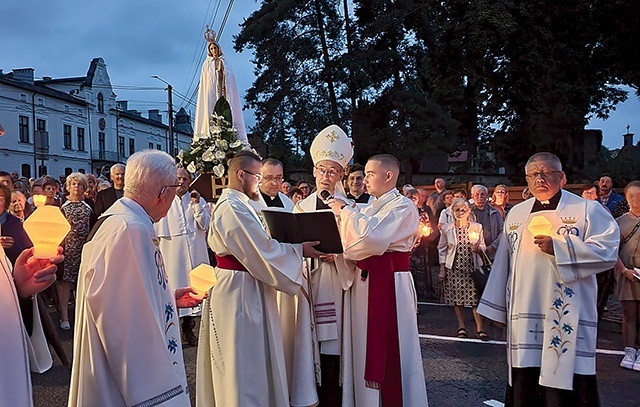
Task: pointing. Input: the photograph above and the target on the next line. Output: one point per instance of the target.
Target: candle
(425, 230)
(46, 227)
(202, 279)
(474, 236)
(539, 225)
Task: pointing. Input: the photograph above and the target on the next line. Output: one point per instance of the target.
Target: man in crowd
(543, 286)
(609, 198)
(183, 243)
(6, 180)
(436, 199)
(380, 237)
(285, 188)
(240, 353)
(355, 182)
(488, 217)
(320, 323)
(272, 178)
(127, 348)
(107, 197)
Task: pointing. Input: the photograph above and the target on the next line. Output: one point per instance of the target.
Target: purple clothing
(12, 226)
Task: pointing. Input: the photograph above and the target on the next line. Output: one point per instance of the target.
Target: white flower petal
(191, 167)
(218, 170)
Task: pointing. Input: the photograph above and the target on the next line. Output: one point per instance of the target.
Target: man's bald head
(381, 174)
(242, 160)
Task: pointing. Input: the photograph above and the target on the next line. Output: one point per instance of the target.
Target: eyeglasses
(258, 176)
(277, 179)
(304, 187)
(164, 188)
(544, 174)
(327, 171)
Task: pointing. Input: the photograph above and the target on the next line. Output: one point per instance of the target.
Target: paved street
(458, 372)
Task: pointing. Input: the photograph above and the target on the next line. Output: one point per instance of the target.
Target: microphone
(325, 195)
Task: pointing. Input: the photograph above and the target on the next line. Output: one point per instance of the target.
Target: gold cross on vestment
(332, 137)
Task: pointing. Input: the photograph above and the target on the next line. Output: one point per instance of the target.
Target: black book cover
(287, 227)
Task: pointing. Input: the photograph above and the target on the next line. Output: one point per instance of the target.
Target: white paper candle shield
(202, 278)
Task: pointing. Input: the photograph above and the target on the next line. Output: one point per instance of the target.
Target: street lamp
(169, 89)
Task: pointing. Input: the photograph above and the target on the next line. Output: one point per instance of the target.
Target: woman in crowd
(459, 244)
(79, 214)
(590, 192)
(446, 216)
(18, 205)
(14, 239)
(49, 189)
(627, 288)
(500, 200)
(296, 195)
(92, 189)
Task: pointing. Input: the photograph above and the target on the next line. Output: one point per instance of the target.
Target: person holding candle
(18, 283)
(127, 348)
(543, 287)
(460, 242)
(420, 268)
(80, 216)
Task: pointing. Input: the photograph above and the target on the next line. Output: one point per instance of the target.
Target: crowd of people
(287, 325)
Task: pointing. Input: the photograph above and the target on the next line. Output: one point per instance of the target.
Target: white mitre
(332, 144)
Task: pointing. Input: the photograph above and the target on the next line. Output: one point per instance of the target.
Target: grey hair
(479, 187)
(545, 157)
(118, 166)
(148, 171)
(76, 176)
(459, 201)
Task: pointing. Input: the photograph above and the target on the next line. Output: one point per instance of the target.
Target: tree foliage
(418, 76)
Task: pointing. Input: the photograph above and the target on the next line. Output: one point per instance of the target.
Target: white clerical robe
(15, 382)
(389, 223)
(208, 96)
(183, 241)
(240, 351)
(127, 349)
(549, 302)
(319, 328)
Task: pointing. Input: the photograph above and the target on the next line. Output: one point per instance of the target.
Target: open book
(287, 227)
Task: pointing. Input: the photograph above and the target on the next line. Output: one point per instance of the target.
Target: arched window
(100, 103)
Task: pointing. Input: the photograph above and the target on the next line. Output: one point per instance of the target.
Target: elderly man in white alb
(319, 326)
(127, 349)
(387, 363)
(543, 286)
(183, 243)
(240, 353)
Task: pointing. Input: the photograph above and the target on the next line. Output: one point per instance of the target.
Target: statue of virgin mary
(217, 80)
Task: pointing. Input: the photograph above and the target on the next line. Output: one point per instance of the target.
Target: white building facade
(58, 126)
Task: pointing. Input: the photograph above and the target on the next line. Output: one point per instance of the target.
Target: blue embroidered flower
(168, 311)
(567, 328)
(173, 345)
(568, 291)
(555, 341)
(557, 303)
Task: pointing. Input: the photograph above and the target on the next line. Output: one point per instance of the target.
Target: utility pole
(171, 147)
(170, 102)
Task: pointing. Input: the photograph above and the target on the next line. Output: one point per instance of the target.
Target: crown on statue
(210, 35)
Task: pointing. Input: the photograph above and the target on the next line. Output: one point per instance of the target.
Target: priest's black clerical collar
(272, 202)
(549, 205)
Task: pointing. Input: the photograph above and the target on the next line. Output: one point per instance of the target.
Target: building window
(158, 147)
(132, 146)
(67, 171)
(81, 170)
(26, 170)
(100, 103)
(41, 125)
(23, 97)
(40, 102)
(42, 170)
(66, 108)
(23, 130)
(66, 131)
(121, 146)
(80, 133)
(101, 144)
(150, 146)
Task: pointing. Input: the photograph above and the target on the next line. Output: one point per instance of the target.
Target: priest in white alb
(315, 336)
(387, 363)
(19, 284)
(127, 349)
(543, 287)
(240, 352)
(183, 243)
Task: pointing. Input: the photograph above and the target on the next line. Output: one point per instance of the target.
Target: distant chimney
(628, 140)
(24, 75)
(122, 105)
(154, 114)
(46, 79)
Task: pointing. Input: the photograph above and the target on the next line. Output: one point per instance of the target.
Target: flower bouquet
(209, 153)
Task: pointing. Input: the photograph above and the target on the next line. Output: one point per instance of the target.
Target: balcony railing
(103, 155)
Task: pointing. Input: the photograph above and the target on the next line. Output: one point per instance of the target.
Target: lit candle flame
(474, 236)
(425, 230)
